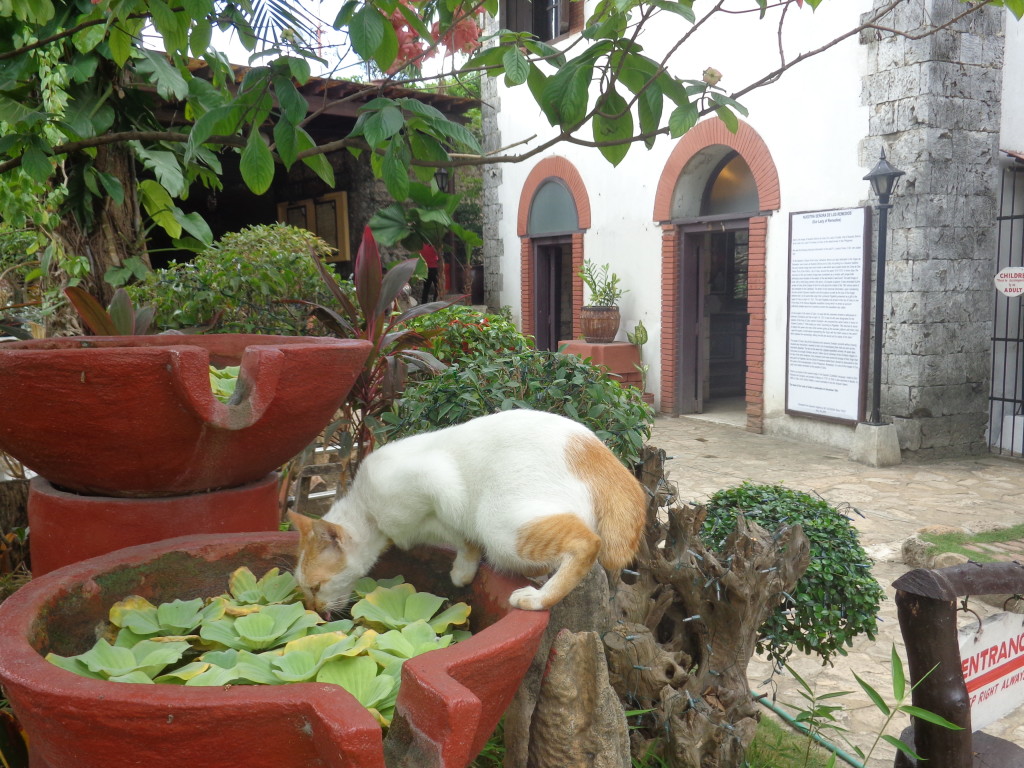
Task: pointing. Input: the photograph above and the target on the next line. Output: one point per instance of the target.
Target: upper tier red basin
(135, 415)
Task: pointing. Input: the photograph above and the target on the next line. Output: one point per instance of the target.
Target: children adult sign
(992, 658)
(1010, 281)
(828, 278)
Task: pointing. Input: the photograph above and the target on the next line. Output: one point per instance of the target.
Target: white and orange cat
(531, 491)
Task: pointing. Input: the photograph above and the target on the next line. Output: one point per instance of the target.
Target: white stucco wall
(812, 121)
(815, 126)
(1012, 129)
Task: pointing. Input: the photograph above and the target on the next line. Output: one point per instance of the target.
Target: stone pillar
(492, 208)
(935, 109)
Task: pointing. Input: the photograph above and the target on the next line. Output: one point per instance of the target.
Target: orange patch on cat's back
(620, 504)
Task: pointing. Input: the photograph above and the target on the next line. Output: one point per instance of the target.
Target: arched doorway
(713, 201)
(554, 210)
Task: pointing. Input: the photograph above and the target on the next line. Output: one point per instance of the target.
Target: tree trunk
(687, 629)
(678, 633)
(113, 234)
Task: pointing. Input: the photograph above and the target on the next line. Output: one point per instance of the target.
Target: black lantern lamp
(441, 177)
(883, 178)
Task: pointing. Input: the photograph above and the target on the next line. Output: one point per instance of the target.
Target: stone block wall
(935, 109)
(492, 208)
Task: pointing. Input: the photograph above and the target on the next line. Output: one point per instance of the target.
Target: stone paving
(975, 493)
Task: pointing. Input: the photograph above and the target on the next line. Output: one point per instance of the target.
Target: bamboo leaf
(899, 680)
(873, 695)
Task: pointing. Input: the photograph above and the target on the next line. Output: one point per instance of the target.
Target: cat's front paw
(527, 599)
(463, 573)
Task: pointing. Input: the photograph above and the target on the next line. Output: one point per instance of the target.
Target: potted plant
(449, 702)
(599, 318)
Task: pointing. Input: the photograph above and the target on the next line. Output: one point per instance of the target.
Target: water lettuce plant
(258, 633)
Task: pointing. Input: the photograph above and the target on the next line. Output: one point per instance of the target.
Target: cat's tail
(620, 504)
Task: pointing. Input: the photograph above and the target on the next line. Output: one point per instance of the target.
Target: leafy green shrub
(544, 381)
(248, 278)
(464, 332)
(259, 634)
(836, 599)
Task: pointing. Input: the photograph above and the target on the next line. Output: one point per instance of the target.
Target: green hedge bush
(246, 279)
(465, 332)
(837, 598)
(544, 381)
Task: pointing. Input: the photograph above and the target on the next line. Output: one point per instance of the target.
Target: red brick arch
(554, 167)
(558, 168)
(754, 151)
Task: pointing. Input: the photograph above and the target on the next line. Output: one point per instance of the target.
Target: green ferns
(259, 634)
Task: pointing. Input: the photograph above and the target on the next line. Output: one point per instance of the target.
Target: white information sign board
(993, 666)
(1010, 281)
(828, 282)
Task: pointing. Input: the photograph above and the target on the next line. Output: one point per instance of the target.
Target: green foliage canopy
(78, 75)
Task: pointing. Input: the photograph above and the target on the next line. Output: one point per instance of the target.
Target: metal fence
(1006, 402)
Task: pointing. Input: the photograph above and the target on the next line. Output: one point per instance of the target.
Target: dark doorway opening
(713, 314)
(553, 307)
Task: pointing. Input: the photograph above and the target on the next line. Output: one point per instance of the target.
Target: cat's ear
(301, 523)
(329, 533)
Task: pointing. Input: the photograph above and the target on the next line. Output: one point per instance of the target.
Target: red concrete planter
(69, 527)
(135, 416)
(449, 703)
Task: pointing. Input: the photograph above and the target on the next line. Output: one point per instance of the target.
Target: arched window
(552, 211)
(730, 189)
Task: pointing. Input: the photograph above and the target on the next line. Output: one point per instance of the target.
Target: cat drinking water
(533, 492)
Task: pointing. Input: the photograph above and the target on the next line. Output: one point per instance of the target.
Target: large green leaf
(395, 170)
(164, 165)
(257, 164)
(383, 124)
(389, 224)
(613, 121)
(517, 69)
(366, 31)
(170, 85)
(293, 104)
(682, 119)
(158, 204)
(36, 164)
(568, 92)
(361, 677)
(13, 112)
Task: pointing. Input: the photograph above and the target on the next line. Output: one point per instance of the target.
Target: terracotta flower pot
(448, 705)
(135, 415)
(599, 324)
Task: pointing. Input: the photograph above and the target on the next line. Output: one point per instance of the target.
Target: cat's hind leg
(563, 541)
(467, 560)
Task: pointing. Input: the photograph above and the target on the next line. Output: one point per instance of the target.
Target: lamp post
(883, 178)
(445, 180)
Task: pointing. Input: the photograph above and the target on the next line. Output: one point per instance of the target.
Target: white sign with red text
(993, 665)
(1010, 281)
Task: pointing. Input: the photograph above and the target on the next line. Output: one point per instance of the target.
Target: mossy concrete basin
(134, 416)
(449, 703)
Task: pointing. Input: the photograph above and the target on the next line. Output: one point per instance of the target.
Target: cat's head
(324, 569)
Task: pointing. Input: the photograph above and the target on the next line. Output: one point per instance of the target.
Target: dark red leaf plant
(376, 317)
